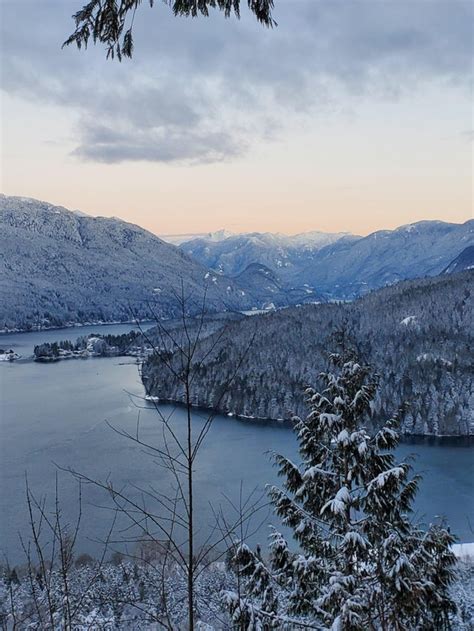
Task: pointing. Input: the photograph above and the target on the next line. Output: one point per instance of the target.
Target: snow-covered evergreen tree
(359, 563)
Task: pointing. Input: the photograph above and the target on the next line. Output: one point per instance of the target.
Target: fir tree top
(359, 561)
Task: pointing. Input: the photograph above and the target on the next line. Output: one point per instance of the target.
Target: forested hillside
(417, 334)
(59, 267)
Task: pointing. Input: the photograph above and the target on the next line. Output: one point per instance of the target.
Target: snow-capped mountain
(315, 240)
(59, 267)
(280, 253)
(341, 265)
(349, 269)
(218, 235)
(178, 239)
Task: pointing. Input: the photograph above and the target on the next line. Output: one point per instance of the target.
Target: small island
(94, 345)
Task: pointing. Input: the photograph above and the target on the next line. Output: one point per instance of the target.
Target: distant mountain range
(178, 239)
(231, 254)
(60, 267)
(341, 265)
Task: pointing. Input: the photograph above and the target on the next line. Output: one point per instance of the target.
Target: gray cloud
(165, 144)
(204, 90)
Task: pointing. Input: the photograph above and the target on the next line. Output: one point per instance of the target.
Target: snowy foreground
(464, 552)
(129, 596)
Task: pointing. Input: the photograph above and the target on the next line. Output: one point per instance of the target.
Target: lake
(56, 414)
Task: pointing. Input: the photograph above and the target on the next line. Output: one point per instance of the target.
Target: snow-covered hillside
(341, 265)
(233, 253)
(59, 267)
(417, 334)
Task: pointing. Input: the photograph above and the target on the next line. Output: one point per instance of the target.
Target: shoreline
(84, 355)
(75, 325)
(432, 439)
(467, 440)
(137, 358)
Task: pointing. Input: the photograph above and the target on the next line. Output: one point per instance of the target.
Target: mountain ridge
(60, 267)
(349, 266)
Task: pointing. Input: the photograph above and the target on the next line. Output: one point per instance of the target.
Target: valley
(61, 267)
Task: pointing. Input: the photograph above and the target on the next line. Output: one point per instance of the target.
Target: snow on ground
(8, 356)
(464, 551)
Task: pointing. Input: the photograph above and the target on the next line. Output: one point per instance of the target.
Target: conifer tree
(110, 22)
(359, 562)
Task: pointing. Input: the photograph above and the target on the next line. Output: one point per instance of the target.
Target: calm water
(57, 413)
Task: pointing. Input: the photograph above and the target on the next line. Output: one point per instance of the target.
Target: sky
(350, 115)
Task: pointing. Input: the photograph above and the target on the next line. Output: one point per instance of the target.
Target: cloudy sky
(350, 115)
